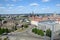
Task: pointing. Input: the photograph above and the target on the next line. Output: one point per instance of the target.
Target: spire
(33, 13)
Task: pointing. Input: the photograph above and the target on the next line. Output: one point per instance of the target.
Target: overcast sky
(27, 6)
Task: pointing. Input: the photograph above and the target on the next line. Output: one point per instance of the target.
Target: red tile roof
(36, 18)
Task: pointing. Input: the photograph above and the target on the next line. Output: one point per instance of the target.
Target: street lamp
(52, 34)
(45, 33)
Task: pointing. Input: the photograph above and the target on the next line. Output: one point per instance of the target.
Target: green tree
(22, 27)
(37, 31)
(25, 26)
(6, 30)
(34, 30)
(0, 31)
(48, 33)
(15, 28)
(0, 28)
(41, 33)
(3, 30)
(0, 19)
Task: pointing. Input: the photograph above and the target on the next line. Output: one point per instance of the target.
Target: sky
(27, 6)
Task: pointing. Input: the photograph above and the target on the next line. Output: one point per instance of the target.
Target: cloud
(16, 0)
(58, 5)
(10, 5)
(20, 6)
(2, 7)
(46, 8)
(45, 0)
(8, 10)
(34, 4)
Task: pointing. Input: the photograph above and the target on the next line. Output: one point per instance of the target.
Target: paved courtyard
(26, 35)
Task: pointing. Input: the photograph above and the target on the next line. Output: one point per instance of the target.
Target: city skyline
(27, 6)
